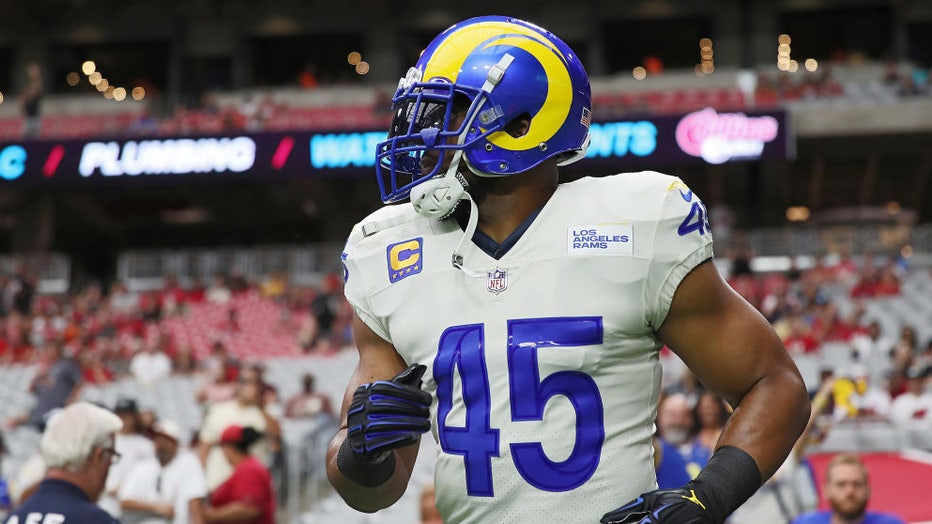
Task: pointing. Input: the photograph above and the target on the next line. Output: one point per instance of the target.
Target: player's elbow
(797, 400)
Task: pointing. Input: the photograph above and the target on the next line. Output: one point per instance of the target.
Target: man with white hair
(78, 449)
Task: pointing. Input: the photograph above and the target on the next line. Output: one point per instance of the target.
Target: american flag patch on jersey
(586, 119)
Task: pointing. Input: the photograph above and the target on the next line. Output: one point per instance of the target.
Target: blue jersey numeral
(462, 348)
(698, 217)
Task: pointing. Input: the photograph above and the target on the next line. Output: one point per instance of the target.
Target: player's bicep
(721, 338)
(378, 360)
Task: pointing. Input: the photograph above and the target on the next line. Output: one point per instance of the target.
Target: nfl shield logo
(498, 280)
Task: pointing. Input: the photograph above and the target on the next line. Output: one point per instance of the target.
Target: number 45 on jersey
(462, 348)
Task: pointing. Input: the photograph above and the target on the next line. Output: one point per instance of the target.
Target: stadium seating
(354, 106)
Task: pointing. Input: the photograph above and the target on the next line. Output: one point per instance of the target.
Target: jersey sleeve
(682, 240)
(355, 287)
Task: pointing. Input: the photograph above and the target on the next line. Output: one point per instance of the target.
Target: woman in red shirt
(247, 496)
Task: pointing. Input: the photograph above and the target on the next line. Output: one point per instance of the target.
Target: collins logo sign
(720, 137)
(168, 157)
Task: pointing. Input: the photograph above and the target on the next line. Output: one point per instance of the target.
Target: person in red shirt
(247, 496)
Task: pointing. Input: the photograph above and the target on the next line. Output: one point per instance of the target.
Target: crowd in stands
(98, 335)
(228, 468)
(149, 335)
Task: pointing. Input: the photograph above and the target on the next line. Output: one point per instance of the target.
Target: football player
(519, 319)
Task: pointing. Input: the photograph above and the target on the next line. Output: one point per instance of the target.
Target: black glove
(388, 414)
(664, 506)
(723, 485)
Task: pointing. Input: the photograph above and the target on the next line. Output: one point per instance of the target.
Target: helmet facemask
(423, 134)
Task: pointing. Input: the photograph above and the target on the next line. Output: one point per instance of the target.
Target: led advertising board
(655, 142)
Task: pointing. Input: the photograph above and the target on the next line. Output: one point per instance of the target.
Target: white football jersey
(543, 364)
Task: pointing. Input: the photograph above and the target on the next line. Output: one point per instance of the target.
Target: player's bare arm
(378, 360)
(734, 351)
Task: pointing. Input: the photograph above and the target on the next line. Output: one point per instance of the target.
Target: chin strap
(437, 197)
(467, 235)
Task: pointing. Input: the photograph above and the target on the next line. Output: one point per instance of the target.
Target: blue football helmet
(495, 70)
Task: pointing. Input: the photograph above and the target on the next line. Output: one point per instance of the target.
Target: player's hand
(388, 414)
(667, 506)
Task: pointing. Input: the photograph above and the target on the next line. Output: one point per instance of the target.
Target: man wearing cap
(169, 490)
(247, 495)
(135, 449)
(78, 449)
(915, 404)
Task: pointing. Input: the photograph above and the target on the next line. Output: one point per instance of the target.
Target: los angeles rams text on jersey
(550, 383)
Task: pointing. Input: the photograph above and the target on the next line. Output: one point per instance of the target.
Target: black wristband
(729, 479)
(364, 473)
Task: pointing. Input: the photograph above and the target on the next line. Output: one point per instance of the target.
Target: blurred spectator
(222, 371)
(30, 100)
(170, 490)
(79, 450)
(275, 286)
(184, 363)
(19, 290)
(847, 391)
(868, 280)
(218, 292)
(688, 387)
(220, 362)
(845, 269)
(172, 298)
(915, 404)
(924, 360)
(778, 302)
(888, 283)
(268, 393)
(308, 403)
(220, 388)
(325, 307)
(230, 326)
(57, 383)
(800, 340)
(669, 465)
(237, 281)
(147, 420)
(711, 413)
(247, 495)
(122, 300)
(847, 489)
(428, 505)
(150, 365)
(6, 502)
(93, 368)
(244, 410)
(30, 473)
(134, 449)
(868, 399)
(872, 345)
(903, 353)
(675, 426)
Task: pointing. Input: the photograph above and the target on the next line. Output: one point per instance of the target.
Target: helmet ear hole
(519, 126)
